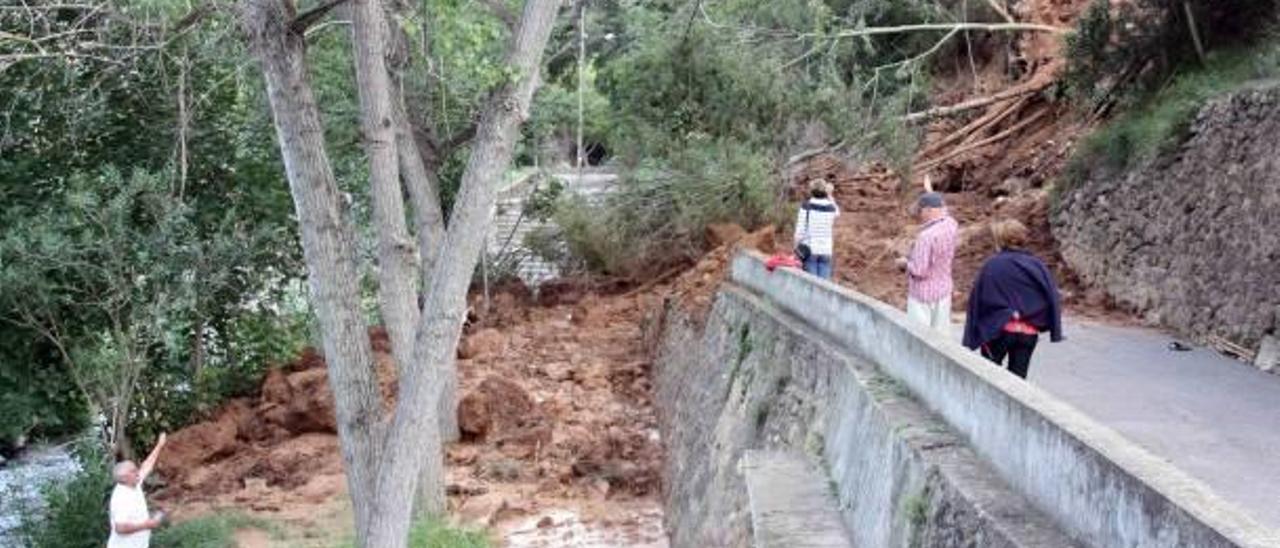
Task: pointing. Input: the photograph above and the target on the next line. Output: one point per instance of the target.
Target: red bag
(785, 260)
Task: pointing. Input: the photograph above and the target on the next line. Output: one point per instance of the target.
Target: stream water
(20, 481)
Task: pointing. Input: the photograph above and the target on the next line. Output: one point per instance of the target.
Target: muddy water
(637, 528)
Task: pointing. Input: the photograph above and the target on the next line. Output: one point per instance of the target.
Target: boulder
(481, 344)
(719, 234)
(497, 406)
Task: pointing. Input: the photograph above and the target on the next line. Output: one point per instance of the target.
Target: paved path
(1216, 418)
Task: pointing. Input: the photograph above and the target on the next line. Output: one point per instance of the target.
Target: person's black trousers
(1017, 346)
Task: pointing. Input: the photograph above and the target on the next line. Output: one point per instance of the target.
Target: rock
(483, 343)
(308, 407)
(558, 371)
(522, 441)
(255, 485)
(482, 511)
(458, 454)
(546, 522)
(467, 489)
(474, 417)
(1013, 186)
(197, 444)
(719, 234)
(496, 406)
(582, 314)
(275, 387)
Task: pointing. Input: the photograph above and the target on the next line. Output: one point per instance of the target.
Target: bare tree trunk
(424, 194)
(327, 243)
(384, 128)
(397, 291)
(197, 350)
(423, 190)
(408, 439)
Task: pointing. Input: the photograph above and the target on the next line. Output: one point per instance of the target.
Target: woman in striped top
(815, 223)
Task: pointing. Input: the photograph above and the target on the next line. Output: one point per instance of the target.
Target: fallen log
(989, 140)
(951, 110)
(975, 127)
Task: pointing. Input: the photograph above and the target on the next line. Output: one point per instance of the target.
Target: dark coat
(1012, 280)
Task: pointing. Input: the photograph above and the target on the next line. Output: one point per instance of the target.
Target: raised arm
(150, 463)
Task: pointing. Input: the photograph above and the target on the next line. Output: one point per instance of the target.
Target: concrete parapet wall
(757, 378)
(1097, 486)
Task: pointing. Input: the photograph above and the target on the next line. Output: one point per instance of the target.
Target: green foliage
(1160, 123)
(75, 512)
(434, 533)
(657, 215)
(67, 119)
(706, 102)
(114, 251)
(114, 276)
(551, 131)
(1089, 53)
(40, 399)
(211, 531)
(916, 510)
(1118, 49)
(431, 533)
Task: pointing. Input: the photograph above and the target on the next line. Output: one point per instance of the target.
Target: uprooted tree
(386, 458)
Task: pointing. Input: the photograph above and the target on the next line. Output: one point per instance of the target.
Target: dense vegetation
(1151, 65)
(136, 139)
(145, 226)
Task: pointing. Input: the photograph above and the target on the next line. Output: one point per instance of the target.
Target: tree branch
(995, 5)
(924, 27)
(459, 138)
(304, 20)
(989, 140)
(980, 102)
(502, 12)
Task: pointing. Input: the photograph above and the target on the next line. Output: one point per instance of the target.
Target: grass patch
(916, 510)
(433, 533)
(212, 531)
(1159, 122)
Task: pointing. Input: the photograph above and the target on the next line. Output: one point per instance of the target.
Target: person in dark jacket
(1014, 299)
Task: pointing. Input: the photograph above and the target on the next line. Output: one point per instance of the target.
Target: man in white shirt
(131, 524)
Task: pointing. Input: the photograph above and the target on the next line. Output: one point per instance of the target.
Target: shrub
(212, 531)
(1164, 118)
(432, 533)
(658, 213)
(1135, 46)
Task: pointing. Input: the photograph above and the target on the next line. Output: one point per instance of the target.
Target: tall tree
(385, 460)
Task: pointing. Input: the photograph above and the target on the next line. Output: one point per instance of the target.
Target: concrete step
(791, 504)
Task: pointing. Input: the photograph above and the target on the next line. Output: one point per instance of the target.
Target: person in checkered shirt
(928, 265)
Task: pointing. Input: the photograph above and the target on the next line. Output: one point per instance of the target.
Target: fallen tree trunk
(988, 141)
(975, 127)
(980, 102)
